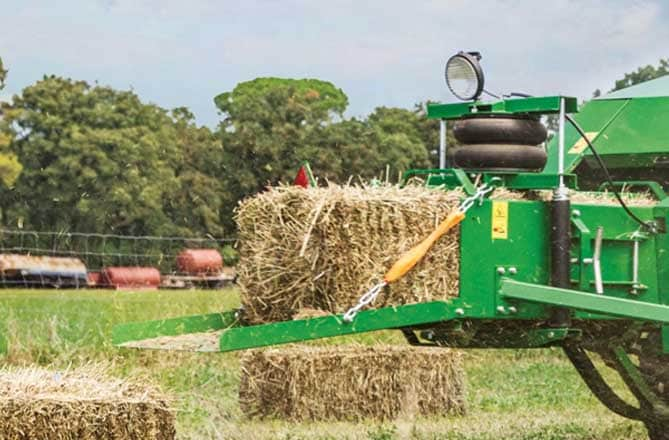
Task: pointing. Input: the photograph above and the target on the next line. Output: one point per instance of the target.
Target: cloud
(380, 52)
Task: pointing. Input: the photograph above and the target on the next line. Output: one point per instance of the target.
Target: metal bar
(135, 331)
(324, 327)
(635, 267)
(442, 143)
(534, 105)
(597, 262)
(561, 143)
(584, 301)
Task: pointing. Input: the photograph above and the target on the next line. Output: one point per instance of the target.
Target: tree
(98, 160)
(643, 73)
(399, 136)
(269, 126)
(10, 168)
(3, 75)
(196, 202)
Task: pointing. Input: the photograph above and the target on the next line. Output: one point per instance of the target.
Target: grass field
(520, 394)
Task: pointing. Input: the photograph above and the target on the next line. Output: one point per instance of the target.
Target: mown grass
(514, 394)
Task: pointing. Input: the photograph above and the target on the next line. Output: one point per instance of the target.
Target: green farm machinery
(556, 271)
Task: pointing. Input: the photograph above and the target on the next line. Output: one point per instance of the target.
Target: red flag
(302, 179)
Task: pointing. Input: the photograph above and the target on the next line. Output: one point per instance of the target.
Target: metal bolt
(429, 335)
(459, 312)
(576, 213)
(501, 270)
(512, 309)
(513, 270)
(501, 309)
(551, 334)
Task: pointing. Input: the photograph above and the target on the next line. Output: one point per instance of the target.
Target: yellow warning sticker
(581, 144)
(500, 220)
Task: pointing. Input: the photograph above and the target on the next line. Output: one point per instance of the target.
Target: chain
(372, 293)
(365, 299)
(476, 197)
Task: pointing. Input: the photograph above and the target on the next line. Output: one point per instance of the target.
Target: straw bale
(351, 382)
(84, 404)
(321, 248)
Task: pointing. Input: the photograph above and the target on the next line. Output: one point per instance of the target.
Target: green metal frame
(237, 337)
(448, 178)
(607, 305)
(536, 105)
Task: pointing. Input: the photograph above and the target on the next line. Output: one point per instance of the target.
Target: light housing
(464, 76)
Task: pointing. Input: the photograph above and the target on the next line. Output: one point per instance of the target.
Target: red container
(199, 261)
(94, 278)
(131, 277)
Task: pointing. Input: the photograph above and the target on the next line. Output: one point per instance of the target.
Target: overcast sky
(386, 52)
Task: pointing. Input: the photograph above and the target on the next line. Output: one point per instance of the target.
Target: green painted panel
(630, 133)
(525, 249)
(642, 127)
(593, 117)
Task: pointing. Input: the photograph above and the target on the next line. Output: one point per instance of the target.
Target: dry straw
(84, 404)
(321, 248)
(351, 382)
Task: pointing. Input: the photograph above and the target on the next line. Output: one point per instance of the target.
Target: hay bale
(86, 404)
(321, 248)
(351, 382)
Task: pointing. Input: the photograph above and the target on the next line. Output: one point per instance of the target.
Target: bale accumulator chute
(561, 270)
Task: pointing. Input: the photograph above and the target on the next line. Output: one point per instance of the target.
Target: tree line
(82, 157)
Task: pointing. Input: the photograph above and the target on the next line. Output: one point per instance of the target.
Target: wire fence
(98, 251)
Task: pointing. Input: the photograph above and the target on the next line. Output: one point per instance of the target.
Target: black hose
(650, 226)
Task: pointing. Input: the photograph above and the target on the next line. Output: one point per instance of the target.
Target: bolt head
(501, 309)
(501, 270)
(459, 312)
(576, 213)
(513, 270)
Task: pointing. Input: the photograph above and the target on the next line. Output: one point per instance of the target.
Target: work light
(464, 75)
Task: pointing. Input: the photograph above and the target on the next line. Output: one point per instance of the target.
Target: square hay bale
(351, 382)
(86, 404)
(321, 248)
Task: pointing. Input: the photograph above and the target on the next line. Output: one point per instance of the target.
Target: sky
(381, 53)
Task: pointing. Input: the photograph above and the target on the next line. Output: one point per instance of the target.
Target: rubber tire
(498, 157)
(500, 130)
